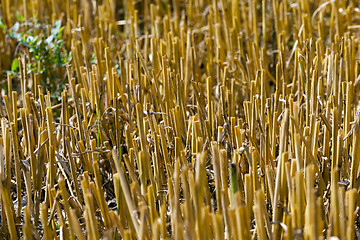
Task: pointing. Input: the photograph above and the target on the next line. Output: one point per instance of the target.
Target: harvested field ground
(174, 119)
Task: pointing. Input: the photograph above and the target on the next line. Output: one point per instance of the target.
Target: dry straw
(190, 119)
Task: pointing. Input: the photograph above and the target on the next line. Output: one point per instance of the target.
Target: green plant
(46, 50)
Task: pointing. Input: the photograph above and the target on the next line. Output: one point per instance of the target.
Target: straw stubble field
(195, 119)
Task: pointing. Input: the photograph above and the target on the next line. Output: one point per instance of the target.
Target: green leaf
(29, 39)
(49, 39)
(15, 65)
(56, 28)
(19, 17)
(16, 26)
(2, 26)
